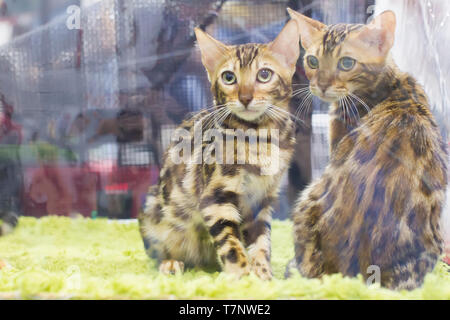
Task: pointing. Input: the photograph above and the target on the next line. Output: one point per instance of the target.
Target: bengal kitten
(213, 214)
(379, 200)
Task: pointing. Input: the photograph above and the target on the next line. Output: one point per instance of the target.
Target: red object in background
(134, 178)
(10, 132)
(56, 190)
(117, 188)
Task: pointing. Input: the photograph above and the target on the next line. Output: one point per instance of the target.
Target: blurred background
(91, 90)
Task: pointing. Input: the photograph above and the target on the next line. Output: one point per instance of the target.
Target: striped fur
(218, 216)
(380, 199)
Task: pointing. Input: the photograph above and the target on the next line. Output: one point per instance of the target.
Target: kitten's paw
(262, 268)
(171, 267)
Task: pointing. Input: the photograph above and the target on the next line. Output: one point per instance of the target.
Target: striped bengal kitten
(213, 210)
(379, 201)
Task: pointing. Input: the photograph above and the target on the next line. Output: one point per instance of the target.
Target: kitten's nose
(246, 99)
(246, 95)
(323, 86)
(324, 80)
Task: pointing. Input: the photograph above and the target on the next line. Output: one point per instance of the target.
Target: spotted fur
(211, 214)
(379, 200)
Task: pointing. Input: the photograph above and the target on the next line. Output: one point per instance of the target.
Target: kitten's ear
(308, 28)
(286, 45)
(212, 50)
(379, 35)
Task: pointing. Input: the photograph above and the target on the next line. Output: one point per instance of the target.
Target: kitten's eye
(264, 75)
(228, 78)
(346, 63)
(312, 61)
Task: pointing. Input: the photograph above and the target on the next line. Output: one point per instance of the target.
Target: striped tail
(410, 274)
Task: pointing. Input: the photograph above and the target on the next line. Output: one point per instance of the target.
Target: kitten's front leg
(338, 130)
(308, 253)
(340, 126)
(257, 239)
(220, 212)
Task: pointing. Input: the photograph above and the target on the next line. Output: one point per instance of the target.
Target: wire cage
(98, 88)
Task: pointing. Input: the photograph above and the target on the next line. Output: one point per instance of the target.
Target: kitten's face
(250, 79)
(342, 59)
(334, 70)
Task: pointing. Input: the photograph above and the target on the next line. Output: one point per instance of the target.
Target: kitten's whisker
(280, 115)
(311, 101)
(224, 117)
(230, 117)
(193, 114)
(274, 116)
(308, 106)
(216, 116)
(285, 113)
(208, 121)
(297, 92)
(354, 107)
(302, 106)
(299, 109)
(301, 89)
(208, 115)
(350, 108)
(300, 95)
(349, 116)
(205, 116)
(345, 113)
(300, 92)
(360, 101)
(272, 110)
(211, 116)
(343, 108)
(211, 113)
(221, 119)
(280, 110)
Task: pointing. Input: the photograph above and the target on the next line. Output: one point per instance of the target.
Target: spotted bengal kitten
(213, 214)
(380, 199)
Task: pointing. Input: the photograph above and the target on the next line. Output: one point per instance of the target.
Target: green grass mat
(97, 259)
